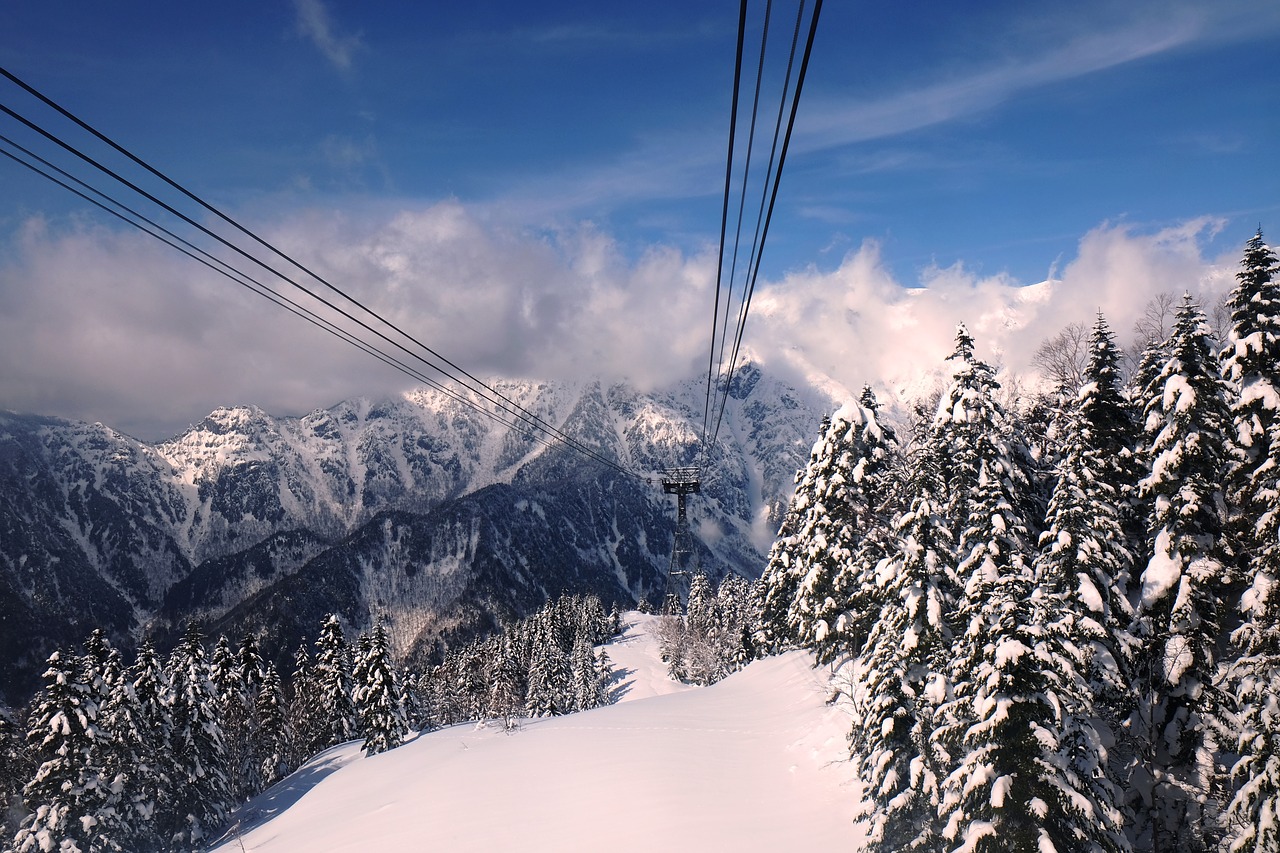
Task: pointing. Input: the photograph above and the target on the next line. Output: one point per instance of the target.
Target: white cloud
(857, 324)
(315, 23)
(106, 326)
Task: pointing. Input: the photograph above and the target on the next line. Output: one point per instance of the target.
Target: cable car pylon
(680, 482)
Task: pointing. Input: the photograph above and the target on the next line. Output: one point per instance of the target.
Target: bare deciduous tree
(1063, 358)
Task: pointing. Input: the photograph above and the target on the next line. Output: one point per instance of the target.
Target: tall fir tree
(1251, 364)
(140, 718)
(901, 676)
(69, 793)
(332, 672)
(973, 432)
(275, 740)
(1179, 618)
(15, 771)
(239, 680)
(835, 600)
(1024, 758)
(1084, 559)
(550, 691)
(788, 563)
(200, 796)
(506, 685)
(377, 696)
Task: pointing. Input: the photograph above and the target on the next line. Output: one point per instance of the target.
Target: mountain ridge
(222, 522)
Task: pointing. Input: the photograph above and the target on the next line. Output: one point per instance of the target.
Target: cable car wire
(753, 270)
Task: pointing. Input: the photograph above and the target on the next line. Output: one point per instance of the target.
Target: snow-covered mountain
(419, 510)
(757, 762)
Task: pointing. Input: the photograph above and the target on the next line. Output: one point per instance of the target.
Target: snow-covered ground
(755, 763)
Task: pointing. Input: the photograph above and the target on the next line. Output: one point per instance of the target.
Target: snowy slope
(754, 763)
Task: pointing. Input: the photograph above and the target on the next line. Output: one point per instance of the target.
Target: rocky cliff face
(420, 511)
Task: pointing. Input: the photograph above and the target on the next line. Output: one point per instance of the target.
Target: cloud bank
(113, 327)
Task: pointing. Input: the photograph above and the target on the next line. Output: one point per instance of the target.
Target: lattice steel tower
(680, 482)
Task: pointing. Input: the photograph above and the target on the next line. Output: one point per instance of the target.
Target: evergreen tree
(1084, 559)
(137, 713)
(68, 794)
(275, 740)
(200, 795)
(585, 676)
(550, 692)
(506, 690)
(972, 434)
(1179, 618)
(15, 771)
(1251, 364)
(1253, 680)
(241, 678)
(1025, 760)
(333, 684)
(1027, 770)
(309, 728)
(850, 486)
(900, 679)
(788, 563)
(377, 696)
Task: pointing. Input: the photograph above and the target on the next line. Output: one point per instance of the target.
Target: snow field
(757, 762)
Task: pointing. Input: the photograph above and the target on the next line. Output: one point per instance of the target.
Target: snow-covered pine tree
(584, 675)
(1251, 364)
(136, 756)
(275, 740)
(1024, 759)
(60, 735)
(550, 691)
(68, 794)
(468, 685)
(506, 685)
(604, 677)
(332, 672)
(200, 795)
(239, 681)
(377, 696)
(900, 677)
(15, 771)
(787, 558)
(739, 621)
(1253, 683)
(1180, 610)
(1084, 559)
(413, 695)
(972, 432)
(138, 714)
(851, 485)
(310, 732)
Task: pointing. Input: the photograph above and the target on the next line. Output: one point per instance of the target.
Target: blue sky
(986, 140)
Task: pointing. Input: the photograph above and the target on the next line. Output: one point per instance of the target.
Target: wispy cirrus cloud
(316, 24)
(831, 121)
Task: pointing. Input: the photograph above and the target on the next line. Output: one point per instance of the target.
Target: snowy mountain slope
(756, 762)
(417, 509)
